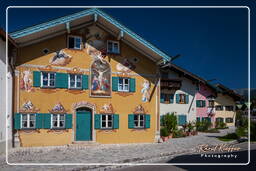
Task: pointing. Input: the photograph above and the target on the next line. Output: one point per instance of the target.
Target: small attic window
(113, 47)
(45, 51)
(74, 42)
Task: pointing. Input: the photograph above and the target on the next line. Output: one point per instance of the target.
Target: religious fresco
(58, 108)
(26, 81)
(100, 78)
(139, 110)
(107, 108)
(125, 66)
(60, 58)
(96, 43)
(145, 91)
(28, 107)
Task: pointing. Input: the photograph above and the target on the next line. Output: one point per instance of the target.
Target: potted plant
(190, 128)
(169, 121)
(164, 134)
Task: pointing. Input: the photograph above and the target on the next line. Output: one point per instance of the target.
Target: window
(182, 98)
(167, 98)
(28, 121)
(139, 121)
(75, 81)
(107, 121)
(48, 79)
(229, 108)
(211, 103)
(74, 42)
(229, 120)
(58, 121)
(218, 107)
(113, 46)
(123, 84)
(200, 103)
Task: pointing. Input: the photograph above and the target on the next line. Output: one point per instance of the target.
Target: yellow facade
(225, 100)
(31, 58)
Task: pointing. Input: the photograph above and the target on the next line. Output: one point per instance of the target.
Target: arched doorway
(83, 124)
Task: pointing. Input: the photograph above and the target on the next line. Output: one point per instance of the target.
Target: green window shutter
(198, 103)
(177, 98)
(132, 85)
(203, 103)
(131, 121)
(47, 121)
(61, 80)
(187, 99)
(182, 119)
(198, 119)
(162, 98)
(116, 121)
(39, 120)
(97, 121)
(17, 121)
(171, 98)
(36, 78)
(147, 119)
(85, 82)
(115, 83)
(68, 121)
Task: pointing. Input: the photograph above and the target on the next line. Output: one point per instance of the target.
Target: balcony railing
(170, 83)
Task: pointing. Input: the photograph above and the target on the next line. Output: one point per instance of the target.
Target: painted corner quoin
(73, 86)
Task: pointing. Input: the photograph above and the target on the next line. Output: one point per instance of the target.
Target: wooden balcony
(170, 84)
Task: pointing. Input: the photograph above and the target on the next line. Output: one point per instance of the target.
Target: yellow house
(225, 105)
(85, 78)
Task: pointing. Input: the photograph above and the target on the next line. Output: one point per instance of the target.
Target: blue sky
(212, 42)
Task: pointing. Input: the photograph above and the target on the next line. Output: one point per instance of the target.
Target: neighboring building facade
(205, 98)
(6, 93)
(178, 90)
(225, 105)
(92, 80)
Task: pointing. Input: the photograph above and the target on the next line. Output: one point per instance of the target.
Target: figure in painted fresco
(125, 66)
(100, 74)
(26, 81)
(28, 106)
(60, 58)
(145, 91)
(107, 108)
(58, 107)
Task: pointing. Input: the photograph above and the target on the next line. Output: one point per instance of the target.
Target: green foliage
(203, 125)
(241, 131)
(178, 133)
(164, 132)
(190, 127)
(220, 125)
(213, 130)
(229, 137)
(169, 121)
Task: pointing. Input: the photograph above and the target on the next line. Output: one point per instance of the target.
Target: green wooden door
(83, 126)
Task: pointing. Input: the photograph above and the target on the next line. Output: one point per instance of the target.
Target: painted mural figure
(125, 66)
(28, 106)
(60, 58)
(26, 81)
(100, 74)
(145, 91)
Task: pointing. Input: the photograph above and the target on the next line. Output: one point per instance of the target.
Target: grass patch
(225, 139)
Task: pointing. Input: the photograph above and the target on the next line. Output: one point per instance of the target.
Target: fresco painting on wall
(145, 91)
(107, 108)
(96, 43)
(125, 66)
(60, 58)
(26, 81)
(58, 108)
(28, 107)
(100, 78)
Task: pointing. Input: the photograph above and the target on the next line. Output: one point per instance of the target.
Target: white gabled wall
(188, 109)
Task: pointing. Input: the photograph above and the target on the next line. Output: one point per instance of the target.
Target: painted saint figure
(145, 91)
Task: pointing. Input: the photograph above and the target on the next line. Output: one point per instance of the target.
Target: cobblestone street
(123, 153)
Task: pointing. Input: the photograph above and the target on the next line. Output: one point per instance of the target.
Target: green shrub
(220, 125)
(203, 125)
(213, 130)
(164, 132)
(178, 133)
(190, 127)
(169, 121)
(233, 136)
(241, 132)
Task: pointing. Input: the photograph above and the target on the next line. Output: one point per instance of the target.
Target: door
(83, 126)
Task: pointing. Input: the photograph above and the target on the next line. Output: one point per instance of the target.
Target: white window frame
(28, 121)
(139, 120)
(58, 121)
(113, 42)
(69, 85)
(75, 37)
(123, 84)
(48, 79)
(107, 120)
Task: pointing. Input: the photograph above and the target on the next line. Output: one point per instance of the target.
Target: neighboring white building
(5, 108)
(178, 89)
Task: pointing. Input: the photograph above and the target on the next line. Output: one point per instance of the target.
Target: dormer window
(113, 47)
(74, 42)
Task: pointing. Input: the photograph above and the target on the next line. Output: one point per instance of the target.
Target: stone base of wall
(3, 146)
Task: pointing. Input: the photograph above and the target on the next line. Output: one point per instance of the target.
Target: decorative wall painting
(107, 108)
(26, 81)
(100, 78)
(139, 110)
(125, 66)
(145, 91)
(60, 58)
(28, 107)
(58, 108)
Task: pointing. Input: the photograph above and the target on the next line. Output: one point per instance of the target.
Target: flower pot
(170, 136)
(164, 139)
